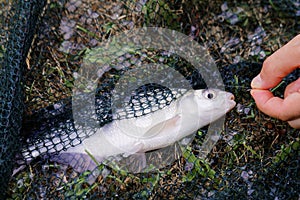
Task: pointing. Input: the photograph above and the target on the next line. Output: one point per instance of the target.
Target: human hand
(275, 68)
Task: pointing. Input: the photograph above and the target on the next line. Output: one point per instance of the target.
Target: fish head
(211, 104)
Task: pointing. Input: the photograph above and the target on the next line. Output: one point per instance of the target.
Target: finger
(293, 87)
(287, 109)
(278, 65)
(295, 123)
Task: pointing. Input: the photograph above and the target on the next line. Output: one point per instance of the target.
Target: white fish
(184, 116)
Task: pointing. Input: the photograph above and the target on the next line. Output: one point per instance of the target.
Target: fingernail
(256, 82)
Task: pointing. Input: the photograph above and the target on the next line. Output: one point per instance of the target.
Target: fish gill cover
(43, 47)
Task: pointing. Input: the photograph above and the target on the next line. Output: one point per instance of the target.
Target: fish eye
(209, 94)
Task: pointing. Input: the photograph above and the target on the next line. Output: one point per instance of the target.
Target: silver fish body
(184, 116)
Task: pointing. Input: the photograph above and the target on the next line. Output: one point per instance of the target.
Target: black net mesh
(17, 29)
(43, 47)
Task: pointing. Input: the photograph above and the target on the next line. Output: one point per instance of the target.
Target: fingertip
(256, 82)
(253, 93)
(295, 123)
(259, 95)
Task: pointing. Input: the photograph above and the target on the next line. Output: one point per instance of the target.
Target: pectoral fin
(164, 126)
(134, 163)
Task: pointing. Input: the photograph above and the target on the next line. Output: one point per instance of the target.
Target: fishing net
(45, 45)
(17, 28)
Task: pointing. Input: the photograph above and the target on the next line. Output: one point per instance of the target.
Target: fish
(156, 130)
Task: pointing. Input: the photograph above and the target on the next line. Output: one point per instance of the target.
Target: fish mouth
(231, 103)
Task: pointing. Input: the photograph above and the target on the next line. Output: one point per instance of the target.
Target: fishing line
(249, 88)
(243, 87)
